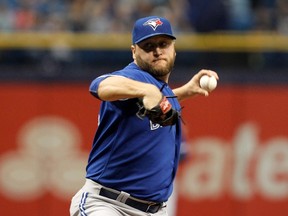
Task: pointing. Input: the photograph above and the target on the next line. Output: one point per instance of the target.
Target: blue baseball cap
(151, 26)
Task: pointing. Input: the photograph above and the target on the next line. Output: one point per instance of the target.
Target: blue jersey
(130, 154)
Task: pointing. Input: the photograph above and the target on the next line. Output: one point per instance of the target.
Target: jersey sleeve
(95, 84)
(134, 75)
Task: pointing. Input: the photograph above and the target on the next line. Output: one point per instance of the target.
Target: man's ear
(133, 48)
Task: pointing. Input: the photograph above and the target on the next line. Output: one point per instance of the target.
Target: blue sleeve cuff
(95, 85)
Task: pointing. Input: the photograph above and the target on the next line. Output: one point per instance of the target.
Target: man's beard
(156, 72)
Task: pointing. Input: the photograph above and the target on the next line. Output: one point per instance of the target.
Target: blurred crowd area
(106, 16)
(118, 16)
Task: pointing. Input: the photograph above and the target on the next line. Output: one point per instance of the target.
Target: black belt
(145, 207)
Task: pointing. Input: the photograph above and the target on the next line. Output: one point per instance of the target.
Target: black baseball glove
(162, 114)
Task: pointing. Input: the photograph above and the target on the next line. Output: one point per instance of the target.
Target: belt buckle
(153, 204)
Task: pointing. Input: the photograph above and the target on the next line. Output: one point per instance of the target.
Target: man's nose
(157, 51)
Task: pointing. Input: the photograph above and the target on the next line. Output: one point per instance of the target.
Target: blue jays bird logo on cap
(142, 30)
(153, 23)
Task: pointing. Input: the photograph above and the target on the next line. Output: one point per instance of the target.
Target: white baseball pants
(88, 202)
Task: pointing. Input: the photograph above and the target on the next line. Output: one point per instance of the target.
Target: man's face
(155, 55)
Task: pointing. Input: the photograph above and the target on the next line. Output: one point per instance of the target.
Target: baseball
(208, 83)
